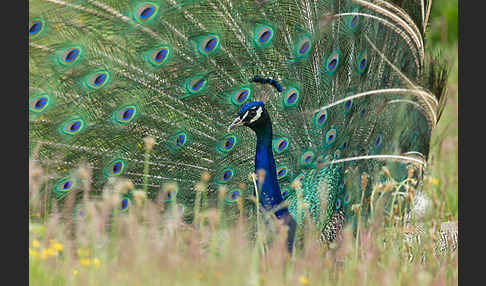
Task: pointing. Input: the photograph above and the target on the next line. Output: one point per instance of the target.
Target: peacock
(303, 105)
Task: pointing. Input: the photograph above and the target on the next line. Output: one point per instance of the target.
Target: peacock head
(253, 115)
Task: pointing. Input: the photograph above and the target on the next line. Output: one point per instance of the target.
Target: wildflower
(434, 181)
(295, 185)
(57, 246)
(221, 192)
(35, 244)
(33, 253)
(242, 186)
(386, 172)
(303, 280)
(75, 272)
(96, 263)
(85, 261)
(139, 196)
(51, 251)
(149, 143)
(200, 187)
(252, 177)
(261, 176)
(205, 176)
(44, 254)
(170, 188)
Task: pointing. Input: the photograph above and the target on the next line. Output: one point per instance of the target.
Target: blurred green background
(443, 24)
(441, 38)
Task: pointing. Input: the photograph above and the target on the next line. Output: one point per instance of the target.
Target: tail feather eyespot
(263, 35)
(146, 12)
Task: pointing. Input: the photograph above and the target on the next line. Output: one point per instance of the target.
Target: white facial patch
(257, 116)
(244, 116)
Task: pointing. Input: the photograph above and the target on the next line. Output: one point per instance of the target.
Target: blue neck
(268, 192)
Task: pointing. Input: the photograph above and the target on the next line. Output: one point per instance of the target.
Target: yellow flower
(44, 254)
(303, 280)
(85, 261)
(57, 246)
(75, 272)
(51, 252)
(33, 253)
(96, 262)
(35, 244)
(434, 181)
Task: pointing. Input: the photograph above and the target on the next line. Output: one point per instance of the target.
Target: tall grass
(151, 245)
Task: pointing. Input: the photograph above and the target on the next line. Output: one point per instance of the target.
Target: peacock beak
(237, 122)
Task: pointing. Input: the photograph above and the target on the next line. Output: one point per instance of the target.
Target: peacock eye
(180, 139)
(344, 145)
(115, 168)
(225, 176)
(158, 56)
(232, 196)
(63, 186)
(282, 172)
(378, 142)
(347, 198)
(36, 27)
(299, 178)
(169, 196)
(239, 97)
(70, 56)
(98, 80)
(362, 62)
(320, 118)
(125, 114)
(73, 127)
(263, 35)
(227, 144)
(79, 212)
(332, 62)
(331, 136)
(39, 103)
(353, 20)
(124, 204)
(303, 47)
(338, 204)
(347, 105)
(337, 154)
(196, 84)
(284, 192)
(146, 12)
(306, 158)
(209, 44)
(291, 97)
(280, 145)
